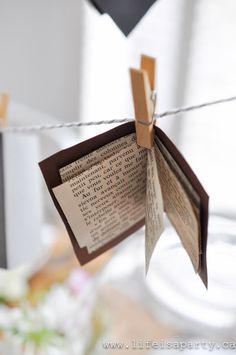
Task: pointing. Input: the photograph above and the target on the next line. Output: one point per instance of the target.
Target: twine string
(172, 112)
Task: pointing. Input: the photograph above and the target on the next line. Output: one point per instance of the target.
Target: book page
(154, 207)
(106, 199)
(194, 197)
(183, 179)
(77, 167)
(179, 209)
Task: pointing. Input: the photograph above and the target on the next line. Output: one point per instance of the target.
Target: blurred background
(62, 61)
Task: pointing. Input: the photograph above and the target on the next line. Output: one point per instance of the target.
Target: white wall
(208, 139)
(40, 54)
(107, 54)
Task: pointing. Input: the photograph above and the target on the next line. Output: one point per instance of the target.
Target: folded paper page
(72, 170)
(154, 224)
(179, 209)
(106, 199)
(185, 201)
(193, 197)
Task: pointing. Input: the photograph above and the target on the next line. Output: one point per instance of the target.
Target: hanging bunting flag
(125, 13)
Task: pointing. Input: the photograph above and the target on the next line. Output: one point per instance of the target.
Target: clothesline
(172, 112)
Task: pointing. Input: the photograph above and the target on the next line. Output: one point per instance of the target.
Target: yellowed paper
(192, 194)
(179, 209)
(106, 199)
(69, 205)
(181, 177)
(154, 224)
(77, 167)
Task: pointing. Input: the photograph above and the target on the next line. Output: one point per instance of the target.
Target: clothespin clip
(4, 103)
(144, 97)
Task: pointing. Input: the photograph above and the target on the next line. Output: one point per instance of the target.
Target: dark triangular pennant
(125, 13)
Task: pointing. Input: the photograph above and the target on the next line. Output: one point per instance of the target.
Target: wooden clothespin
(143, 86)
(4, 103)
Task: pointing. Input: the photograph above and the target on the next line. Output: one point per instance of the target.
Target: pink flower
(78, 280)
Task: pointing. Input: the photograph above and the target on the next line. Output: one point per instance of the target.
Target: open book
(107, 187)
